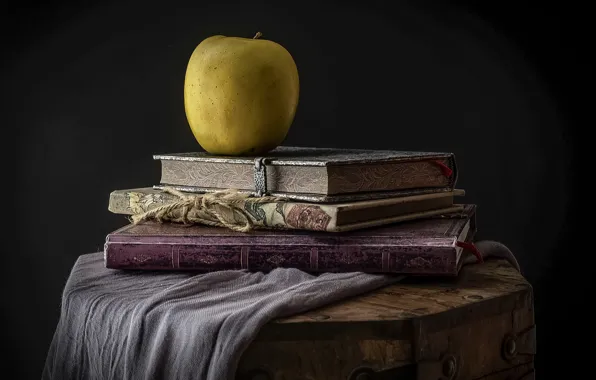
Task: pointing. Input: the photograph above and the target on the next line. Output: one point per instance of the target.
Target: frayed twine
(224, 208)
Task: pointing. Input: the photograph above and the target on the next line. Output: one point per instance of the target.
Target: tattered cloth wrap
(119, 325)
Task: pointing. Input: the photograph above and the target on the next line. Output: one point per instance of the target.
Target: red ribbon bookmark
(447, 171)
(472, 248)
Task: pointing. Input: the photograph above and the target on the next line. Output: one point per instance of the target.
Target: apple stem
(258, 35)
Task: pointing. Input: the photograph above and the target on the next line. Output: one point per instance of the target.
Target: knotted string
(224, 208)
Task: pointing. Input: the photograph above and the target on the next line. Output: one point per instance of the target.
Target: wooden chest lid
(481, 290)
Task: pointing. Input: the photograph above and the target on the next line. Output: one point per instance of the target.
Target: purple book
(430, 246)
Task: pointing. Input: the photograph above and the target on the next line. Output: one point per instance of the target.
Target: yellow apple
(240, 94)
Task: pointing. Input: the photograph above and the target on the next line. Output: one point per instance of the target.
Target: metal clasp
(260, 176)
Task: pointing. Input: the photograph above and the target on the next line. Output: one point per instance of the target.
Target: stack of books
(314, 209)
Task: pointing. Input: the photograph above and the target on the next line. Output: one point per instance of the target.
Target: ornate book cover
(311, 171)
(333, 217)
(421, 247)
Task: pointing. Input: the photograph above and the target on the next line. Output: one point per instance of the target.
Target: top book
(317, 171)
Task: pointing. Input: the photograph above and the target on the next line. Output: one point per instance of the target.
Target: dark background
(94, 90)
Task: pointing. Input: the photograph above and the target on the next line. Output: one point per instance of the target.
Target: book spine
(420, 260)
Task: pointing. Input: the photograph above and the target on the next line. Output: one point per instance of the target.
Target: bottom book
(430, 246)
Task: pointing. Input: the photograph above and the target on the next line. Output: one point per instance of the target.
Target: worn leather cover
(425, 246)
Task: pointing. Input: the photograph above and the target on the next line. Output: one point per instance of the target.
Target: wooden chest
(477, 326)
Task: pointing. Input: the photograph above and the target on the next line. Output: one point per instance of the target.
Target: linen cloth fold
(124, 325)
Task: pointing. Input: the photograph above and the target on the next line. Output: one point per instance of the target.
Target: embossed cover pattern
(417, 247)
(313, 170)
